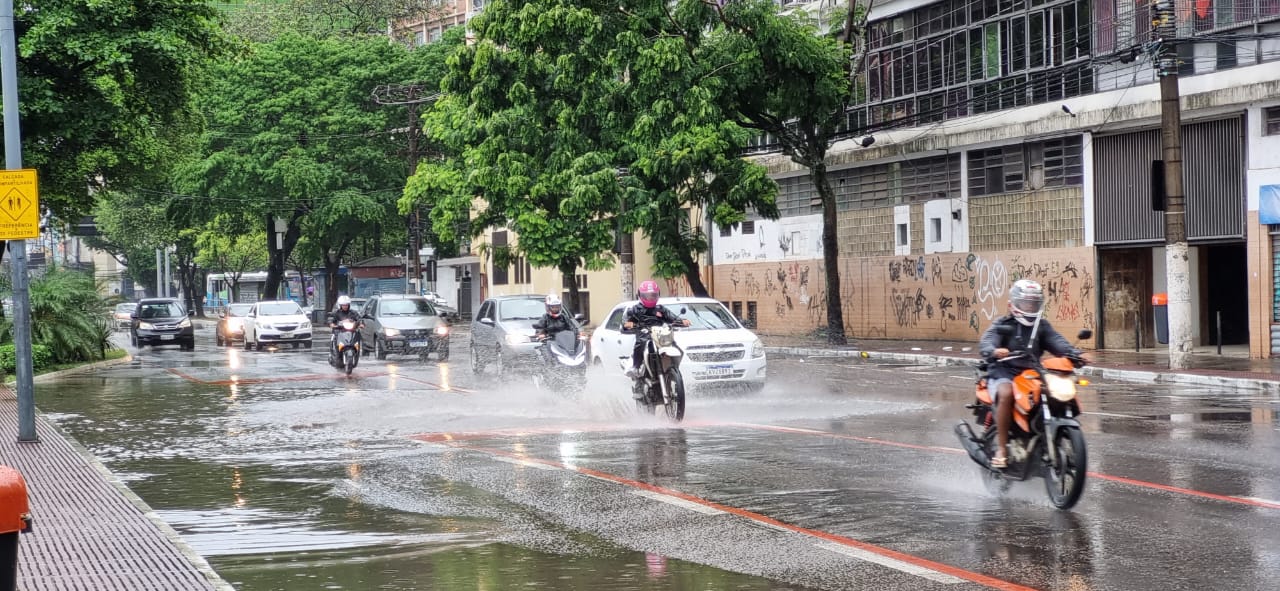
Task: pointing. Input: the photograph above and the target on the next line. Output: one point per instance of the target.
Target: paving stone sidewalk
(90, 532)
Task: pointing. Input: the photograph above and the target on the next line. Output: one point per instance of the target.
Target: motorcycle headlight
(517, 339)
(348, 325)
(186, 322)
(1060, 387)
(757, 349)
(146, 326)
(442, 330)
(391, 332)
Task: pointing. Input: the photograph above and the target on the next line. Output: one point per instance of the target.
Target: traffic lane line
(903, 562)
(1250, 501)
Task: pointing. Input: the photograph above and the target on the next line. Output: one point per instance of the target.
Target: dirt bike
(660, 382)
(564, 362)
(345, 352)
(1045, 438)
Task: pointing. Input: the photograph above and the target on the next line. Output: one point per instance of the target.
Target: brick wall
(951, 296)
(865, 232)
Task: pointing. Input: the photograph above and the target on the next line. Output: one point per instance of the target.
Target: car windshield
(160, 310)
(279, 309)
(413, 307)
(522, 309)
(706, 316)
(239, 309)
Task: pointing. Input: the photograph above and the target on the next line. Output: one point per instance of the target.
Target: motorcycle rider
(553, 321)
(1030, 331)
(337, 316)
(646, 313)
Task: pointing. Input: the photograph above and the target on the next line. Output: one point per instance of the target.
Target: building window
(524, 272)
(582, 281)
(795, 196)
(725, 231)
(500, 276)
(903, 236)
(1271, 121)
(935, 230)
(419, 39)
(749, 227)
(435, 34)
(751, 314)
(1031, 166)
(736, 309)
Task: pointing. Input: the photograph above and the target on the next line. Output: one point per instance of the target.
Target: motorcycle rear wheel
(1065, 483)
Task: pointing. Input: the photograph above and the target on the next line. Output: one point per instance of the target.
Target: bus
(218, 288)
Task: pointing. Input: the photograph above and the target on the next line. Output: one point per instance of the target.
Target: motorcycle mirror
(1085, 335)
(579, 317)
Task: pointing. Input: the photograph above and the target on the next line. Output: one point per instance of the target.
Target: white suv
(717, 349)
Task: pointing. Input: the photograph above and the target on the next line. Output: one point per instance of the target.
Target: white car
(276, 322)
(718, 351)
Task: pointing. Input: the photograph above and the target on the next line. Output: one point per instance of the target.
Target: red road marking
(957, 572)
(955, 450)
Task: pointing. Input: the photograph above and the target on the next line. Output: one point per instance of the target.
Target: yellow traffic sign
(19, 205)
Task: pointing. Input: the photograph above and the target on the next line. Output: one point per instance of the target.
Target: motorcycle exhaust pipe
(972, 444)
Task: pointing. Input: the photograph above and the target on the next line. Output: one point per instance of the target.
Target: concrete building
(1016, 139)
(448, 14)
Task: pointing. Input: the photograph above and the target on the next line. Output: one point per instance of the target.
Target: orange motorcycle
(1045, 438)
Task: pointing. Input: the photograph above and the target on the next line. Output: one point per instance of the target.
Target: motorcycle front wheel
(675, 406)
(350, 358)
(1065, 483)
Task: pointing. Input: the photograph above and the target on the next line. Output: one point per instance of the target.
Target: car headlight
(757, 349)
(146, 326)
(442, 330)
(186, 322)
(391, 332)
(517, 339)
(305, 324)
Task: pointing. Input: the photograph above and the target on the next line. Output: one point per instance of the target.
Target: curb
(10, 380)
(1123, 375)
(196, 560)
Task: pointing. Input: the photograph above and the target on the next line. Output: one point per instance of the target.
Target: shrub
(41, 357)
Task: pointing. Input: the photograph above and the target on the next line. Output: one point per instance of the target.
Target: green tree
(131, 226)
(533, 122)
(105, 85)
(266, 20)
(776, 74)
(295, 135)
(222, 246)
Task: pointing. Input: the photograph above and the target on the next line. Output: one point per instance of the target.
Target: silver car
(502, 329)
(404, 325)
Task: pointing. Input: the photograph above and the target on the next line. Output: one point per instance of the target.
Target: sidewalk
(89, 530)
(1148, 366)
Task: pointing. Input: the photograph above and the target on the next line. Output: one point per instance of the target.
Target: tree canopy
(105, 86)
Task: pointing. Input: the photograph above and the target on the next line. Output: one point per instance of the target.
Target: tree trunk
(276, 268)
(569, 269)
(830, 254)
(693, 275)
(331, 265)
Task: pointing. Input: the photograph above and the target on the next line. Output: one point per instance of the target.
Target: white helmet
(1026, 301)
(344, 301)
(553, 305)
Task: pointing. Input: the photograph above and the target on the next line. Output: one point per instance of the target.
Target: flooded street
(839, 475)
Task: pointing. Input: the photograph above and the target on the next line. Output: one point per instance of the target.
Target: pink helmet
(648, 293)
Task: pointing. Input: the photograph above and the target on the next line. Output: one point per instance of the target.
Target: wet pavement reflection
(840, 475)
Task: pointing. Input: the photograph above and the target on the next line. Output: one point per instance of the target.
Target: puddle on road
(303, 486)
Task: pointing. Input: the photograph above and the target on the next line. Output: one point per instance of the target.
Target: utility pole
(1177, 263)
(410, 95)
(626, 247)
(17, 248)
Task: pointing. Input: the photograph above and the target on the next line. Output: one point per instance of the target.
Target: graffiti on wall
(954, 295)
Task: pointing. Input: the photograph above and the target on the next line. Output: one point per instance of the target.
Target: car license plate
(166, 337)
(286, 335)
(719, 370)
(418, 343)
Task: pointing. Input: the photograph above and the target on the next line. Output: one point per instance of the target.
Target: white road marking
(911, 569)
(1261, 500)
(678, 502)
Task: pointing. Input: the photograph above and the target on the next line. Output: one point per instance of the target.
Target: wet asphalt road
(839, 475)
